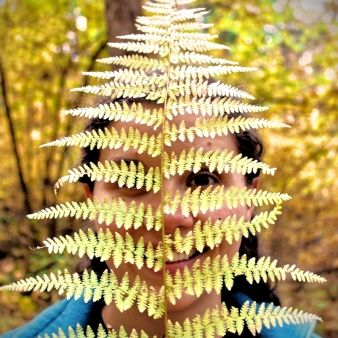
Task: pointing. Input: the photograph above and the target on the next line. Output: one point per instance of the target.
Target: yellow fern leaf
(107, 211)
(213, 199)
(137, 62)
(114, 140)
(234, 321)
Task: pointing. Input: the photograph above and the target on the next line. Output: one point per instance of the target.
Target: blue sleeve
(64, 314)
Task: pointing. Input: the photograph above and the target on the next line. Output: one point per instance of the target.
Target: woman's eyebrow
(118, 160)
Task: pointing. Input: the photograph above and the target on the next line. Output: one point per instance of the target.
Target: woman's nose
(172, 221)
(177, 220)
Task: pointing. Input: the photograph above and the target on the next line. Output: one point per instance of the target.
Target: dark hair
(249, 145)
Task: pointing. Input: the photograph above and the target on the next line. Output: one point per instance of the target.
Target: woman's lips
(180, 256)
(176, 260)
(182, 260)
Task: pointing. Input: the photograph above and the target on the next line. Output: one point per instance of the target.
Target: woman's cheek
(226, 248)
(230, 249)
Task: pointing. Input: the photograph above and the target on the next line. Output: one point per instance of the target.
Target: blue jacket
(71, 312)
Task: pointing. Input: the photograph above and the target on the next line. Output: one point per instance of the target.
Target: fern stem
(162, 181)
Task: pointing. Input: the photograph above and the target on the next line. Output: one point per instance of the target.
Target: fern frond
(221, 320)
(123, 293)
(213, 274)
(108, 211)
(121, 249)
(155, 46)
(165, 21)
(111, 138)
(211, 234)
(130, 175)
(197, 58)
(204, 89)
(215, 126)
(80, 332)
(200, 73)
(220, 161)
(151, 30)
(188, 26)
(106, 245)
(164, 37)
(130, 76)
(302, 276)
(219, 89)
(159, 92)
(147, 48)
(208, 107)
(186, 88)
(133, 90)
(121, 112)
(206, 276)
(153, 144)
(198, 200)
(137, 62)
(191, 26)
(180, 15)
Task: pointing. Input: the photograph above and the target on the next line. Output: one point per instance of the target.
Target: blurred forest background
(44, 47)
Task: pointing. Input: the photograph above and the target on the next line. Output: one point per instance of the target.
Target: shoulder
(64, 314)
(302, 330)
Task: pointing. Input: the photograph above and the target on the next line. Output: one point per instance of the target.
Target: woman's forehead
(220, 143)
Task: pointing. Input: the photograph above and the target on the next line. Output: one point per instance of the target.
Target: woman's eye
(202, 179)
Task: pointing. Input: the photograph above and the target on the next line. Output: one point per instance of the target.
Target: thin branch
(14, 141)
(85, 83)
(48, 179)
(56, 127)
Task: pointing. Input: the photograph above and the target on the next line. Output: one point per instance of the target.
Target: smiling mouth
(182, 256)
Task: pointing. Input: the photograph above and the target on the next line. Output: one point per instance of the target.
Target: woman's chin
(182, 304)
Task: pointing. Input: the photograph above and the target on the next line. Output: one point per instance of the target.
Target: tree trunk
(120, 17)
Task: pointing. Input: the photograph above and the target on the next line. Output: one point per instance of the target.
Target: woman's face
(203, 178)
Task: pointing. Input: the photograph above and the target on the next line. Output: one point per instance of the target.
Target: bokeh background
(44, 47)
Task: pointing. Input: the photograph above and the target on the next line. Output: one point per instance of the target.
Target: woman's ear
(255, 183)
(87, 192)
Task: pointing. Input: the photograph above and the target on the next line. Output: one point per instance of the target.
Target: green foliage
(177, 100)
(41, 57)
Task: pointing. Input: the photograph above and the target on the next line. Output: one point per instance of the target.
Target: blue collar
(71, 312)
